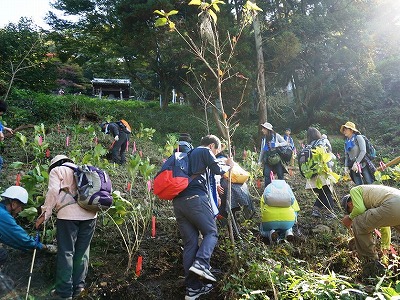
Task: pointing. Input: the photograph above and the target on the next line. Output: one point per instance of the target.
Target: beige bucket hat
(349, 125)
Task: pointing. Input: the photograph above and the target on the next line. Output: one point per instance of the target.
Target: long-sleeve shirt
(62, 189)
(357, 152)
(201, 159)
(277, 139)
(369, 196)
(14, 235)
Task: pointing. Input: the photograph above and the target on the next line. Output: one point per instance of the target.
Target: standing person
(269, 156)
(288, 138)
(355, 155)
(324, 202)
(368, 207)
(194, 213)
(121, 138)
(3, 109)
(13, 201)
(75, 228)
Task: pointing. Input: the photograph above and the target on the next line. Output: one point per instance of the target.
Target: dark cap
(344, 202)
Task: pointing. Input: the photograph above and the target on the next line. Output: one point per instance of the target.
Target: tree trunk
(262, 97)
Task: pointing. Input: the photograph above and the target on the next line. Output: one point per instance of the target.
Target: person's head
(15, 198)
(58, 160)
(313, 134)
(3, 107)
(185, 137)
(288, 131)
(347, 204)
(213, 142)
(266, 128)
(348, 129)
(103, 126)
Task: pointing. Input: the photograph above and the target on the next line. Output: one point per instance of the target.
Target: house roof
(111, 81)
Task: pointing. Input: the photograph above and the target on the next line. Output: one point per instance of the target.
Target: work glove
(116, 138)
(52, 249)
(355, 167)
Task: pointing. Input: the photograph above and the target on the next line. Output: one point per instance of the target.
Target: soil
(161, 276)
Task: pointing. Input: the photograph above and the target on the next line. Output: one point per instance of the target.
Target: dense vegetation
(319, 265)
(322, 63)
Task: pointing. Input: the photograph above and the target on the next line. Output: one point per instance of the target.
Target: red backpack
(173, 177)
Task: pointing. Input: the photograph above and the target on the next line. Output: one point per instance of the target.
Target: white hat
(57, 158)
(17, 193)
(267, 125)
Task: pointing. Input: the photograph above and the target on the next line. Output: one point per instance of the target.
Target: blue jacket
(200, 159)
(14, 235)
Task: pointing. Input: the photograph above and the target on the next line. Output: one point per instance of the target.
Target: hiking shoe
(289, 235)
(78, 292)
(273, 236)
(373, 268)
(192, 294)
(202, 271)
(316, 213)
(55, 296)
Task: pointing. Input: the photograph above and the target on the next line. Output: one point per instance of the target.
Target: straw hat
(267, 125)
(349, 125)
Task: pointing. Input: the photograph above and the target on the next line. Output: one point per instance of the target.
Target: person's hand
(116, 138)
(230, 162)
(52, 249)
(347, 221)
(346, 170)
(9, 130)
(39, 221)
(355, 167)
(1, 136)
(220, 190)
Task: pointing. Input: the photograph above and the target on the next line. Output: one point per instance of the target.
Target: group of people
(366, 207)
(75, 228)
(194, 209)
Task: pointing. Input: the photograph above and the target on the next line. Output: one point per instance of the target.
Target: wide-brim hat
(58, 158)
(349, 125)
(267, 125)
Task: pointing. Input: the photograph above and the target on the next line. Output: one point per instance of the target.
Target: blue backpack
(371, 151)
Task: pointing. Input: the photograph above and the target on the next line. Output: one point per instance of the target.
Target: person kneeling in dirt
(13, 201)
(279, 209)
(369, 207)
(75, 229)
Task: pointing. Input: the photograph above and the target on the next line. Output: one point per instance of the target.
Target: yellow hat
(349, 125)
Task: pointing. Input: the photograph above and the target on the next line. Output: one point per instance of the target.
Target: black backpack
(306, 153)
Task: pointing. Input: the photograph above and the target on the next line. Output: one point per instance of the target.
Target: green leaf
(160, 12)
(161, 22)
(213, 16)
(195, 2)
(172, 12)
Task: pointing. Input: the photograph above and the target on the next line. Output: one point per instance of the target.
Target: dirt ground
(162, 271)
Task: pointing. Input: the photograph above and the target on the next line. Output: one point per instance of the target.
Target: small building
(112, 88)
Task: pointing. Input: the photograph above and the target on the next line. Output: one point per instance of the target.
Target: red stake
(139, 265)
(153, 226)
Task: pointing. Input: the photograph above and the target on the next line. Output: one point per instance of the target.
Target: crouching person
(13, 201)
(368, 207)
(279, 209)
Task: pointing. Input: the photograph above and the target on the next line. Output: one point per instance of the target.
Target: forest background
(298, 63)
